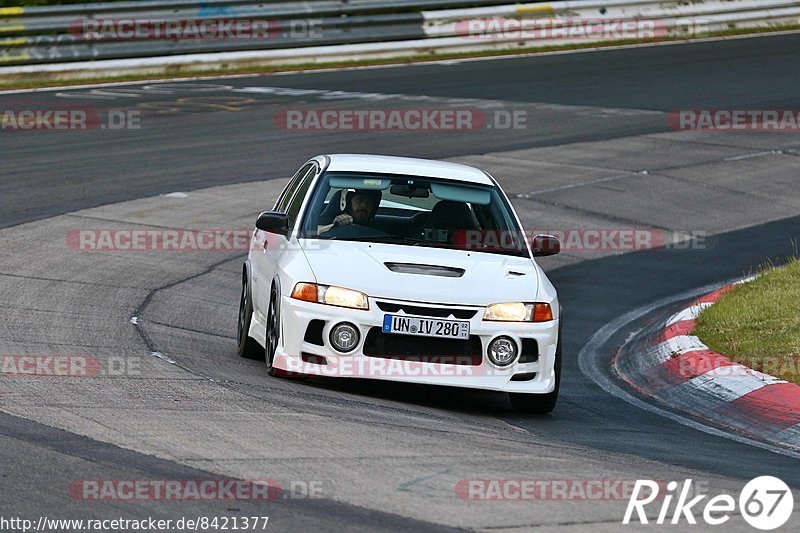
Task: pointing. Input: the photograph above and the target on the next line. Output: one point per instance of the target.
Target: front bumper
(530, 373)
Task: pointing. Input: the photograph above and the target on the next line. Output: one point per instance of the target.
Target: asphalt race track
(595, 151)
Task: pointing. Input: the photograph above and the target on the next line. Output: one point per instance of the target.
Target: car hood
(487, 278)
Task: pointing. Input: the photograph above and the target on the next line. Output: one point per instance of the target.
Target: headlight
(518, 312)
(330, 295)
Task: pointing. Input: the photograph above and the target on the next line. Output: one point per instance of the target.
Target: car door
(260, 239)
(271, 247)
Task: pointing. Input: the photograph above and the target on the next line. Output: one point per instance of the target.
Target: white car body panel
(361, 266)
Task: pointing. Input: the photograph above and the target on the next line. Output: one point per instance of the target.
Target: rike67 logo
(766, 503)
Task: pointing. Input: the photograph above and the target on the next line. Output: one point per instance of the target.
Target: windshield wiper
(434, 244)
(372, 238)
(412, 241)
(391, 239)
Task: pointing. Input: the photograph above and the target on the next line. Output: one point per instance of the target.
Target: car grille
(427, 349)
(530, 351)
(438, 312)
(314, 332)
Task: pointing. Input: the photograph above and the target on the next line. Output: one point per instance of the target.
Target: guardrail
(221, 32)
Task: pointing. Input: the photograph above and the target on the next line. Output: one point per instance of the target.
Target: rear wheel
(273, 332)
(246, 345)
(540, 403)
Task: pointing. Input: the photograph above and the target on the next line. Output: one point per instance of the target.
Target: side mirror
(273, 222)
(544, 245)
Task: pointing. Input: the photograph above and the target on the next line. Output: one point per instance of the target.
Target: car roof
(382, 164)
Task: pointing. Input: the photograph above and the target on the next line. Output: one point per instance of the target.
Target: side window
(283, 201)
(300, 195)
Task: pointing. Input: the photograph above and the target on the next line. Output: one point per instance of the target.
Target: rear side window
(283, 201)
(300, 194)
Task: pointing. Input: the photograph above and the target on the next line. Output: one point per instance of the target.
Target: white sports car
(402, 269)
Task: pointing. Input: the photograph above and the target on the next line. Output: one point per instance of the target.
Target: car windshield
(412, 211)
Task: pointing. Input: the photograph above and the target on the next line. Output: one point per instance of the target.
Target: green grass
(178, 73)
(758, 323)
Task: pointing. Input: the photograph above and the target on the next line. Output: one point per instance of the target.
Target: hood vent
(426, 270)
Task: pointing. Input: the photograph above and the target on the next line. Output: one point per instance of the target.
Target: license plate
(425, 327)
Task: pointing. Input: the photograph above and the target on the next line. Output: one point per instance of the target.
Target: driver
(361, 206)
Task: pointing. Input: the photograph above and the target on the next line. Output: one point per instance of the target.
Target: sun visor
(461, 193)
(360, 182)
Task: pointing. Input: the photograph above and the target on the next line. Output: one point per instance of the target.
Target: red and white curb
(667, 362)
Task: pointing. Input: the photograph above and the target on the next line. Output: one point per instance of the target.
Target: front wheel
(273, 335)
(540, 404)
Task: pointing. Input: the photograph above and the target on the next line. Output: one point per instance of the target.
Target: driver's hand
(343, 220)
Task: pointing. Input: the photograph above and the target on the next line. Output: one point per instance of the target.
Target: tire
(273, 332)
(540, 404)
(273, 336)
(246, 345)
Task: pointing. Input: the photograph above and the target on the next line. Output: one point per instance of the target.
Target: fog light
(344, 337)
(502, 351)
